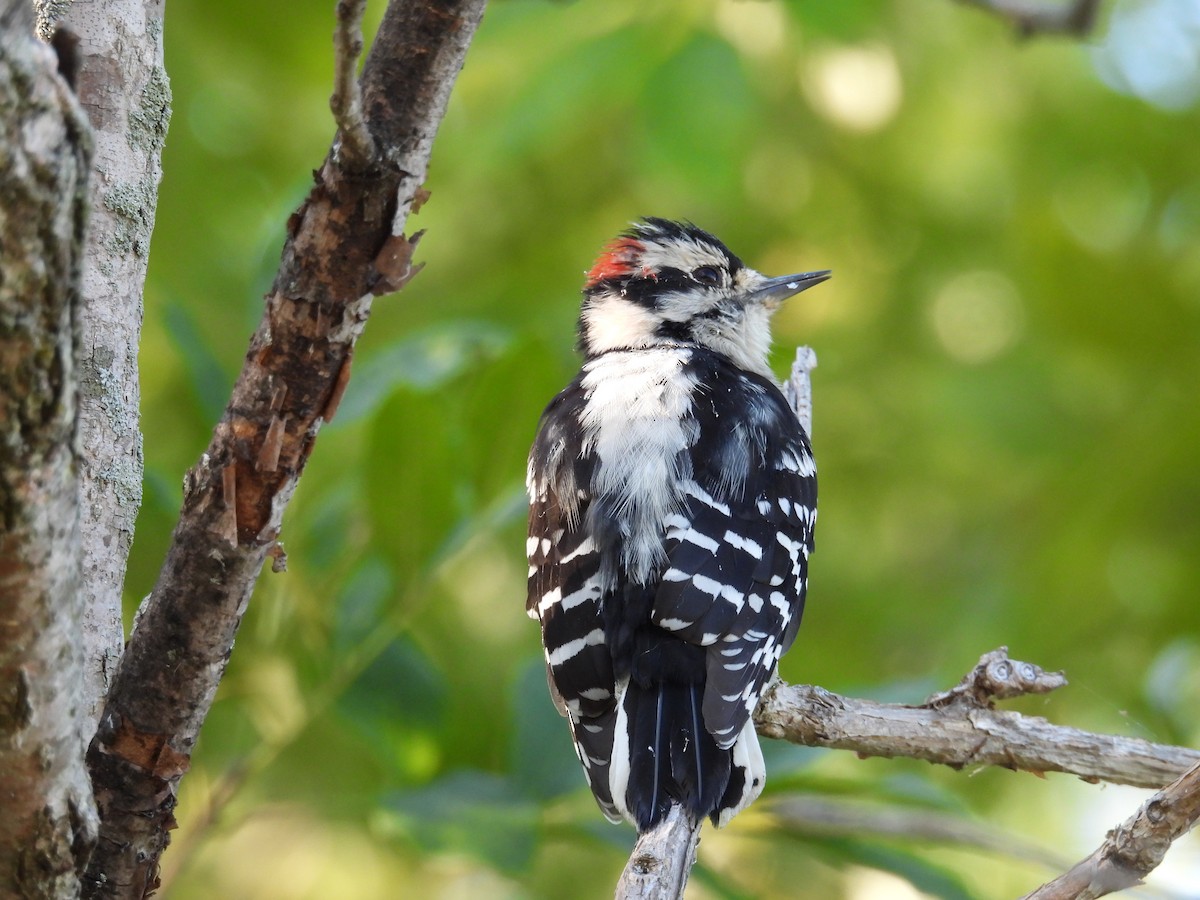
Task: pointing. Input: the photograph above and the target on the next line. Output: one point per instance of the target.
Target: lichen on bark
(48, 824)
(125, 92)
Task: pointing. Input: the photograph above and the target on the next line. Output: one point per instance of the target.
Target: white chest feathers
(636, 425)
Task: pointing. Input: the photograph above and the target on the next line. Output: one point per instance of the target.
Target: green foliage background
(1006, 422)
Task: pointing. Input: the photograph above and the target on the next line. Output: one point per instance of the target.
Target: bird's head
(671, 283)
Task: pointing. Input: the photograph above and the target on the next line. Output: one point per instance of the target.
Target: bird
(672, 502)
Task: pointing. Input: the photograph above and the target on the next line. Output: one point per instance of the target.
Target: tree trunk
(48, 822)
(123, 88)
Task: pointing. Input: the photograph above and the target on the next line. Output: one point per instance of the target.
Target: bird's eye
(706, 275)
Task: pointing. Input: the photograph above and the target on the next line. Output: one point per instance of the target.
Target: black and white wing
(565, 589)
(738, 549)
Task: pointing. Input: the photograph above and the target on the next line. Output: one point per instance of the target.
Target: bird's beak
(774, 291)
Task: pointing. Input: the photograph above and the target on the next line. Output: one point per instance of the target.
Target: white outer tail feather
(618, 766)
(748, 763)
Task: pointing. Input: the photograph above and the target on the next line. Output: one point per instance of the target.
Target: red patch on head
(615, 261)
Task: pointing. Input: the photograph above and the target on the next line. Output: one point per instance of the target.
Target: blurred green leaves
(423, 361)
(541, 760)
(470, 812)
(496, 818)
(208, 381)
(704, 139)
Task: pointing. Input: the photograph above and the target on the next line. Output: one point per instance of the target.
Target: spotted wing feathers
(735, 583)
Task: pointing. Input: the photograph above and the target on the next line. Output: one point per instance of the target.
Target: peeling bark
(235, 496)
(48, 823)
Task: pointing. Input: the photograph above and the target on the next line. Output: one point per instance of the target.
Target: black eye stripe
(648, 289)
(670, 280)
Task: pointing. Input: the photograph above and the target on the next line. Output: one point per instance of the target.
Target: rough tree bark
(123, 87)
(345, 245)
(48, 824)
(662, 859)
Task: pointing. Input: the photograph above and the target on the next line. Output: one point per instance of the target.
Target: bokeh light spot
(977, 316)
(755, 29)
(855, 87)
(1152, 51)
(1102, 207)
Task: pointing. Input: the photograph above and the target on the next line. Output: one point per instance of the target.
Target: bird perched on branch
(672, 502)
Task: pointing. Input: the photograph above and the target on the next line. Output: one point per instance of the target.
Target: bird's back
(667, 574)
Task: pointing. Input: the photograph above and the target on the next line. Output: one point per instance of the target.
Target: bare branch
(355, 147)
(661, 860)
(1074, 18)
(996, 677)
(1135, 847)
(955, 727)
(958, 728)
(797, 390)
(235, 496)
(964, 732)
(822, 816)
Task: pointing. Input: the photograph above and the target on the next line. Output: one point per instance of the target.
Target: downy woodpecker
(672, 502)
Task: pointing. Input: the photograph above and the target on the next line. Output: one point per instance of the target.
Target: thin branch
(821, 816)
(797, 390)
(965, 731)
(661, 860)
(957, 728)
(1135, 847)
(355, 146)
(1075, 18)
(235, 496)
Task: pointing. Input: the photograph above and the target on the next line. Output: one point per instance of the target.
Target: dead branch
(1075, 18)
(233, 502)
(966, 731)
(355, 145)
(1135, 847)
(661, 860)
(958, 728)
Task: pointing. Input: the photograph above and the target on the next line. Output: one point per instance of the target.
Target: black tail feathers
(652, 750)
(672, 758)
